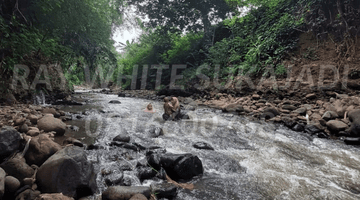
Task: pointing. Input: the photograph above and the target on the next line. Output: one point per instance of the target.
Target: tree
(187, 15)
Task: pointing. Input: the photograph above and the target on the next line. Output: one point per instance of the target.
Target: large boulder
(2, 182)
(177, 166)
(48, 123)
(40, 149)
(68, 172)
(17, 167)
(354, 117)
(125, 192)
(9, 141)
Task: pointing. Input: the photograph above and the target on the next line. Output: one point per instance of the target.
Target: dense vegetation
(206, 34)
(69, 32)
(255, 43)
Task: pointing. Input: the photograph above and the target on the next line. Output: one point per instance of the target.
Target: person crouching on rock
(167, 109)
(175, 108)
(149, 108)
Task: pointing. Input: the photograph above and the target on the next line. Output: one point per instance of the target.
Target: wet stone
(116, 178)
(115, 102)
(164, 190)
(203, 145)
(9, 141)
(122, 138)
(125, 192)
(298, 128)
(312, 129)
(144, 173)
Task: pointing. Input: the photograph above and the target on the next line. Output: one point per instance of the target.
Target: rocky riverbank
(33, 166)
(326, 114)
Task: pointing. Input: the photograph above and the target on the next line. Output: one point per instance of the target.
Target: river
(251, 160)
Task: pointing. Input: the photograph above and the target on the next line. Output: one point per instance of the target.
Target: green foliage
(59, 31)
(180, 47)
(261, 37)
(280, 70)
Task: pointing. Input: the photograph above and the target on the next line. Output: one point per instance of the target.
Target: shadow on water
(252, 160)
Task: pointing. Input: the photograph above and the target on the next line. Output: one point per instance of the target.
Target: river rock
(352, 141)
(2, 182)
(125, 192)
(289, 107)
(12, 184)
(19, 121)
(272, 110)
(233, 107)
(144, 173)
(115, 102)
(33, 119)
(51, 111)
(116, 178)
(177, 166)
(155, 132)
(336, 126)
(298, 127)
(68, 172)
(313, 128)
(122, 138)
(301, 111)
(9, 141)
(354, 117)
(289, 122)
(33, 131)
(311, 96)
(164, 190)
(121, 94)
(17, 167)
(138, 197)
(57, 196)
(73, 141)
(202, 145)
(40, 149)
(340, 110)
(48, 123)
(23, 128)
(28, 194)
(255, 97)
(328, 115)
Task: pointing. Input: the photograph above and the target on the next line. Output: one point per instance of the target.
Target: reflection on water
(252, 160)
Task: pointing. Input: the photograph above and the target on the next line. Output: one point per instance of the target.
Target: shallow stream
(251, 160)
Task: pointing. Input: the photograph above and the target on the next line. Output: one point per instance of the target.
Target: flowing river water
(251, 160)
